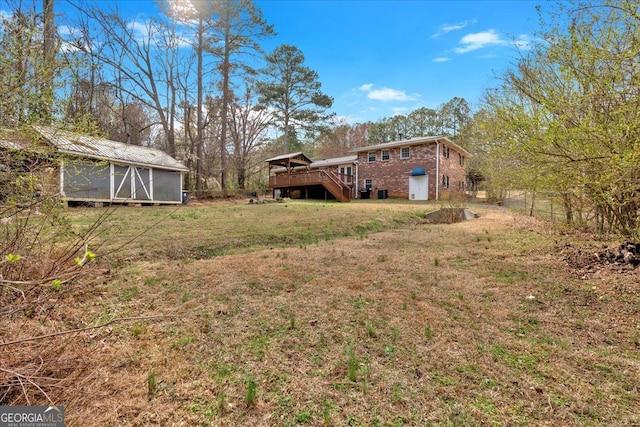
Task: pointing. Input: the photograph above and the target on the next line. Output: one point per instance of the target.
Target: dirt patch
(624, 257)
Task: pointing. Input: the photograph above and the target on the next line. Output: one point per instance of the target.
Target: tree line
(195, 82)
(566, 118)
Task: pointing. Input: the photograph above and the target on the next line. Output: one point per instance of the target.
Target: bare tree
(237, 27)
(247, 126)
(138, 58)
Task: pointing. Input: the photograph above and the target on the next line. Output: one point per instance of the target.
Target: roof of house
(413, 141)
(104, 149)
(334, 161)
(290, 160)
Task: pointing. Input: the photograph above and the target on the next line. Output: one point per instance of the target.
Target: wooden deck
(336, 184)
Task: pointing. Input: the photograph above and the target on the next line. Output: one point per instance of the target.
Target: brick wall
(393, 174)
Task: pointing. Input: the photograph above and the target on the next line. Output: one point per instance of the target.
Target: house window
(461, 159)
(445, 151)
(371, 156)
(445, 181)
(386, 155)
(368, 183)
(404, 153)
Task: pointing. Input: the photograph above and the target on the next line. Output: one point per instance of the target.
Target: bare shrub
(43, 262)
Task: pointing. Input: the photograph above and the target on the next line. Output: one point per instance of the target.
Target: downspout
(437, 169)
(357, 180)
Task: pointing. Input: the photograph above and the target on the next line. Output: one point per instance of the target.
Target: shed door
(419, 187)
(131, 182)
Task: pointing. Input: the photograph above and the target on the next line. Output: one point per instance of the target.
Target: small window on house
(368, 183)
(445, 181)
(445, 151)
(371, 156)
(461, 159)
(404, 153)
(386, 155)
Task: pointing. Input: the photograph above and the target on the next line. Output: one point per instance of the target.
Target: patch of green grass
(128, 294)
(512, 275)
(185, 340)
(303, 416)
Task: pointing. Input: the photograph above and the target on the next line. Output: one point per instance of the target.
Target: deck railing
(315, 177)
(304, 178)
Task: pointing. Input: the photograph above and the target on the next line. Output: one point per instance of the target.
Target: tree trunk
(199, 112)
(226, 69)
(49, 37)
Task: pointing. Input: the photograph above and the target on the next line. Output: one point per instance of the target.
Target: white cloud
(441, 59)
(139, 28)
(523, 42)
(447, 28)
(386, 93)
(475, 41)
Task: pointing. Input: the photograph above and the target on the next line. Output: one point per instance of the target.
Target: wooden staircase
(340, 190)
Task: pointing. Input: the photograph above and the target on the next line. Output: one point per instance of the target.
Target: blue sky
(378, 58)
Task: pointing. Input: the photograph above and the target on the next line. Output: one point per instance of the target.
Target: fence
(544, 205)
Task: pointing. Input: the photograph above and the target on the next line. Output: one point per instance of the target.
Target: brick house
(425, 168)
(422, 168)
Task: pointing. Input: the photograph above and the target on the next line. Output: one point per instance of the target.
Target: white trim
(357, 180)
(112, 181)
(62, 178)
(437, 171)
(151, 185)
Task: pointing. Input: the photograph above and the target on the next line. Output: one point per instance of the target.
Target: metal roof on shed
(104, 149)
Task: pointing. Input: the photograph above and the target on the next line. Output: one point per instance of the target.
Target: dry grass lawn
(395, 323)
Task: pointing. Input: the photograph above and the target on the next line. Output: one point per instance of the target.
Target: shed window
(386, 155)
(404, 153)
(372, 156)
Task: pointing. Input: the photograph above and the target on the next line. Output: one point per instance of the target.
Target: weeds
(428, 332)
(152, 386)
(352, 365)
(252, 392)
